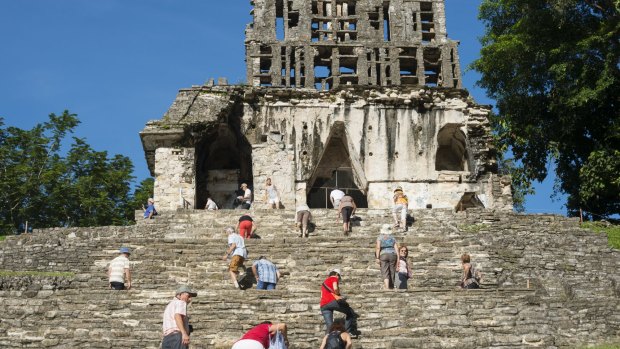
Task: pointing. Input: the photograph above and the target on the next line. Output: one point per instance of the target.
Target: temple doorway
(336, 170)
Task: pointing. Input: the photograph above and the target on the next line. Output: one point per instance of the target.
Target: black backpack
(334, 341)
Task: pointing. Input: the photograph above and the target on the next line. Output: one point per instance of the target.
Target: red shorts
(245, 229)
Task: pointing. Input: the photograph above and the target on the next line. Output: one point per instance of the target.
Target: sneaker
(355, 334)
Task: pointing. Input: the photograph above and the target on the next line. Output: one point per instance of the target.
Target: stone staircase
(573, 277)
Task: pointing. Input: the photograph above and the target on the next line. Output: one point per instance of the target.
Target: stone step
(220, 318)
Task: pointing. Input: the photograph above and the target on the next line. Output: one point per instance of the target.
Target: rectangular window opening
(280, 28)
(386, 24)
(293, 19)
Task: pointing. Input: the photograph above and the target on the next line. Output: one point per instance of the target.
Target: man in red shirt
(331, 301)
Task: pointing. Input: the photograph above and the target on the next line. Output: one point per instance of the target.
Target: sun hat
(398, 188)
(337, 270)
(124, 250)
(186, 289)
(386, 229)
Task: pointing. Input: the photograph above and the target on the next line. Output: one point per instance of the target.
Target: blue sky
(120, 63)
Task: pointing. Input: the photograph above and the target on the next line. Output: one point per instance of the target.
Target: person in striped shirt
(119, 272)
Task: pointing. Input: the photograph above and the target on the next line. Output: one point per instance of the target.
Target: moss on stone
(605, 346)
(472, 228)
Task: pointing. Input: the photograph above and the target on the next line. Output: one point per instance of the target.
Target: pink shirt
(176, 306)
(259, 333)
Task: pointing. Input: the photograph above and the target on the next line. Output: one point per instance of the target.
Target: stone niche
(434, 142)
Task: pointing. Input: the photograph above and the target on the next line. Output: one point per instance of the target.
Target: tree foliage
(553, 68)
(48, 183)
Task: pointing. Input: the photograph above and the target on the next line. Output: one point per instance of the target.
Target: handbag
(277, 341)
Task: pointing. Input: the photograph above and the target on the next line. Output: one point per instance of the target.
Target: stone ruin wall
(390, 137)
(324, 44)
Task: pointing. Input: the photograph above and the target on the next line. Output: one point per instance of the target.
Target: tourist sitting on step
(266, 274)
(244, 200)
(332, 300)
(346, 209)
(302, 218)
(471, 277)
(238, 253)
(119, 271)
(399, 209)
(211, 205)
(176, 327)
(246, 226)
(262, 336)
(338, 337)
(150, 210)
(403, 269)
(271, 197)
(385, 254)
(335, 196)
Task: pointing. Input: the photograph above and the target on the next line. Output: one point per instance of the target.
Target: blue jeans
(350, 322)
(265, 285)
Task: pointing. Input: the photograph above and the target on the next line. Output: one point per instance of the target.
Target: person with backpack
(337, 338)
(471, 277)
(399, 210)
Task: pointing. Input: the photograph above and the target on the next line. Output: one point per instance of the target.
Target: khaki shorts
(235, 263)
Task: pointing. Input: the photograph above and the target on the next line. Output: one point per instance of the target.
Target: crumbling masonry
(361, 95)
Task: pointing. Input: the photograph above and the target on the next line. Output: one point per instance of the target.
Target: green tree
(553, 68)
(142, 193)
(40, 185)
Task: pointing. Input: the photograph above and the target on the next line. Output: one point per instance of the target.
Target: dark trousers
(350, 322)
(117, 286)
(173, 341)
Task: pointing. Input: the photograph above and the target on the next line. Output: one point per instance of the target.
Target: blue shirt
(386, 242)
(149, 209)
(267, 271)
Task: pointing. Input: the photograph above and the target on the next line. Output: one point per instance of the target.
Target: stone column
(175, 178)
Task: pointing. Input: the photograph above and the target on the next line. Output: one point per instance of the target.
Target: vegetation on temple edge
(552, 66)
(612, 231)
(48, 183)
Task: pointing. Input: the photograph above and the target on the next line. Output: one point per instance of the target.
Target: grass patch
(613, 235)
(2, 237)
(36, 273)
(606, 346)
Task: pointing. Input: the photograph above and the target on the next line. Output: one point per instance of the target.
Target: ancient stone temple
(360, 95)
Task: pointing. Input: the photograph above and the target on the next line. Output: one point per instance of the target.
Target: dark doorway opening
(223, 162)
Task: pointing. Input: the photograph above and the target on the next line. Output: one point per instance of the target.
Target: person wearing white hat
(332, 300)
(119, 271)
(176, 328)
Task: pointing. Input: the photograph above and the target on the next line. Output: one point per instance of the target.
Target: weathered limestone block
(174, 178)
